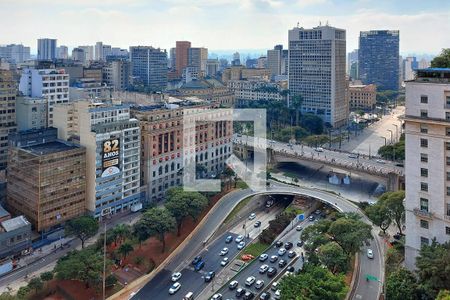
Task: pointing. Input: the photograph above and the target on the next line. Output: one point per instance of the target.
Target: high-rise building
(15, 53)
(78, 55)
(117, 74)
(52, 84)
(62, 52)
(275, 60)
(285, 62)
(423, 64)
(262, 62)
(102, 51)
(173, 58)
(427, 164)
(112, 141)
(409, 66)
(236, 61)
(182, 56)
(46, 49)
(352, 57)
(378, 58)
(317, 72)
(88, 52)
(31, 113)
(8, 93)
(197, 58)
(212, 67)
(46, 178)
(149, 67)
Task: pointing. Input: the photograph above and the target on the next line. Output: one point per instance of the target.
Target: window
(447, 100)
(423, 157)
(448, 191)
(424, 224)
(448, 209)
(424, 143)
(424, 204)
(424, 99)
(447, 145)
(423, 128)
(424, 187)
(447, 131)
(447, 116)
(424, 241)
(423, 172)
(447, 230)
(447, 159)
(424, 113)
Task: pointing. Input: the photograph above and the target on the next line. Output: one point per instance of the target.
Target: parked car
(257, 224)
(259, 284)
(241, 245)
(196, 260)
(248, 295)
(291, 254)
(370, 253)
(240, 292)
(224, 261)
(274, 286)
(239, 238)
(271, 272)
(216, 297)
(273, 258)
(352, 155)
(263, 257)
(224, 251)
(199, 265)
(263, 269)
(290, 269)
(250, 280)
(278, 244)
(277, 294)
(176, 276)
(299, 228)
(319, 149)
(233, 285)
(229, 239)
(299, 243)
(288, 245)
(252, 216)
(209, 276)
(174, 288)
(282, 263)
(265, 296)
(311, 218)
(281, 251)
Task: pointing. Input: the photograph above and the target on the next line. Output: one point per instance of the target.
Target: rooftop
(3, 212)
(51, 147)
(15, 223)
(434, 75)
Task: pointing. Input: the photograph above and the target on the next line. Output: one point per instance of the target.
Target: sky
(220, 24)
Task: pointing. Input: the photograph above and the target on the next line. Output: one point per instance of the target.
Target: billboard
(110, 157)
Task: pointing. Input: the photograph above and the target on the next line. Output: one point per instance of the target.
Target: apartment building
(8, 93)
(31, 113)
(117, 74)
(149, 67)
(427, 129)
(253, 90)
(361, 96)
(241, 72)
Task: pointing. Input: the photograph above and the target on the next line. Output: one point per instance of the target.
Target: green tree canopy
(350, 234)
(379, 215)
(82, 227)
(443, 295)
(442, 60)
(36, 284)
(392, 203)
(125, 249)
(333, 257)
(47, 276)
(120, 232)
(401, 285)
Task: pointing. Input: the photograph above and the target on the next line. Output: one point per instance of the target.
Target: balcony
(423, 213)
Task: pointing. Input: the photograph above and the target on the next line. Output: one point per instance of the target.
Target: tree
(378, 214)
(82, 227)
(401, 285)
(393, 204)
(157, 222)
(46, 276)
(140, 232)
(85, 265)
(333, 257)
(23, 292)
(443, 295)
(120, 232)
(297, 102)
(125, 249)
(8, 296)
(36, 284)
(442, 60)
(350, 234)
(314, 282)
(312, 123)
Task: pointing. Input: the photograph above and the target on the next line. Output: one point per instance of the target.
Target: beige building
(362, 96)
(8, 93)
(427, 165)
(31, 113)
(117, 74)
(240, 72)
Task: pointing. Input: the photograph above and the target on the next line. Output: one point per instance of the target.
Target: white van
(189, 296)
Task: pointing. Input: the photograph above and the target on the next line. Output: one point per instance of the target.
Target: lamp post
(396, 132)
(390, 131)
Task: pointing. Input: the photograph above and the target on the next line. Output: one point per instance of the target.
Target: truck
(136, 207)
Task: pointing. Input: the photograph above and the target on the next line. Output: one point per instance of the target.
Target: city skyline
(125, 23)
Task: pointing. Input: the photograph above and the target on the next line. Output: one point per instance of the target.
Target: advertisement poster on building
(110, 157)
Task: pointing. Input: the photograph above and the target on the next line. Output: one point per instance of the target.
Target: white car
(352, 155)
(277, 294)
(263, 269)
(224, 262)
(250, 280)
(370, 253)
(241, 245)
(176, 276)
(252, 216)
(224, 251)
(281, 251)
(174, 288)
(259, 284)
(319, 149)
(380, 161)
(299, 228)
(263, 257)
(239, 238)
(274, 286)
(216, 297)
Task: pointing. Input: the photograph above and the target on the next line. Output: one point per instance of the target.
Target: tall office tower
(236, 61)
(46, 49)
(173, 58)
(52, 84)
(182, 56)
(112, 141)
(275, 60)
(62, 52)
(409, 66)
(78, 55)
(98, 51)
(285, 62)
(427, 129)
(149, 67)
(88, 52)
(46, 178)
(117, 74)
(197, 58)
(353, 72)
(212, 67)
(352, 57)
(378, 58)
(15, 53)
(8, 93)
(317, 72)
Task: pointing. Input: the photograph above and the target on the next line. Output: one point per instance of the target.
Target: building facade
(212, 67)
(46, 178)
(46, 49)
(378, 58)
(15, 53)
(88, 52)
(149, 67)
(427, 164)
(8, 93)
(62, 52)
(409, 66)
(197, 58)
(117, 74)
(242, 73)
(275, 60)
(362, 97)
(15, 236)
(253, 90)
(182, 56)
(317, 72)
(112, 141)
(31, 113)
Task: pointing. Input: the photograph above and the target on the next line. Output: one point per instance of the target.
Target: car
(380, 161)
(209, 276)
(250, 280)
(299, 228)
(259, 284)
(290, 269)
(233, 285)
(370, 253)
(216, 297)
(263, 257)
(311, 218)
(252, 216)
(318, 149)
(224, 251)
(282, 263)
(273, 258)
(277, 294)
(317, 212)
(352, 155)
(291, 254)
(176, 276)
(199, 265)
(174, 288)
(299, 243)
(257, 224)
(271, 272)
(278, 244)
(240, 292)
(263, 269)
(288, 245)
(224, 261)
(229, 239)
(265, 296)
(196, 260)
(241, 245)
(239, 238)
(274, 286)
(281, 251)
(248, 295)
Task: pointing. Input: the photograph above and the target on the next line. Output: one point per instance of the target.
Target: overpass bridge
(369, 167)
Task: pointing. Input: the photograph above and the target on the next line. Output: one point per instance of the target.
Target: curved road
(364, 290)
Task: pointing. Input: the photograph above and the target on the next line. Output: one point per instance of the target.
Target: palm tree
(120, 232)
(125, 249)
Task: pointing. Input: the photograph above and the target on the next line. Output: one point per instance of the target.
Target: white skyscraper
(88, 52)
(275, 60)
(46, 49)
(317, 72)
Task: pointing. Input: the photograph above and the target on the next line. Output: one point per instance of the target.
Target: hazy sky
(219, 24)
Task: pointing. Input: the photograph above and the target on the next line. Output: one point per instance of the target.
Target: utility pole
(104, 261)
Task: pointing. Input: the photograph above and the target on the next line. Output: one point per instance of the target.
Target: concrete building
(8, 93)
(88, 88)
(79, 55)
(427, 164)
(46, 49)
(362, 97)
(162, 144)
(15, 236)
(317, 72)
(62, 52)
(253, 90)
(52, 84)
(275, 60)
(197, 58)
(352, 58)
(15, 53)
(31, 113)
(236, 61)
(423, 64)
(172, 58)
(112, 141)
(102, 51)
(149, 67)
(378, 58)
(242, 73)
(182, 56)
(117, 74)
(212, 67)
(409, 66)
(46, 178)
(88, 52)
(191, 73)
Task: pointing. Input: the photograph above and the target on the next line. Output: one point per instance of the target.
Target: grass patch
(241, 185)
(255, 249)
(238, 207)
(294, 211)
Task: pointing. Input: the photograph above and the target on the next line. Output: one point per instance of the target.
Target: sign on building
(110, 157)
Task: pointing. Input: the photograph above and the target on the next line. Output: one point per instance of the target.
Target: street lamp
(390, 131)
(396, 132)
